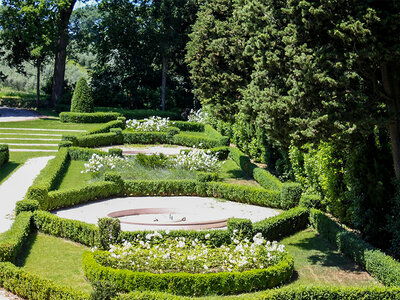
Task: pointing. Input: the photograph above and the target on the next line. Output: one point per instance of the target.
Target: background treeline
(311, 88)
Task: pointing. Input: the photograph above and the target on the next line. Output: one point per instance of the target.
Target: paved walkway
(15, 187)
(9, 114)
(4, 295)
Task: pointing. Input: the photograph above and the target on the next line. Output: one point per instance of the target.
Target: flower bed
(189, 267)
(159, 255)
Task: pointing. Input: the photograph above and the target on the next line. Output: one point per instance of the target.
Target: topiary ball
(82, 100)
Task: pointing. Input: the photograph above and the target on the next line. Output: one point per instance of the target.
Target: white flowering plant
(198, 116)
(163, 255)
(151, 124)
(197, 160)
(98, 164)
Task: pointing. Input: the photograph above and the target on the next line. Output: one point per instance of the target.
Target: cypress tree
(82, 100)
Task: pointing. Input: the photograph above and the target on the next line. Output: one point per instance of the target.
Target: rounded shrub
(290, 194)
(82, 100)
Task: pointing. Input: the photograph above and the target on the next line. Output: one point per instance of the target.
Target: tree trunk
(61, 53)
(38, 66)
(391, 85)
(163, 81)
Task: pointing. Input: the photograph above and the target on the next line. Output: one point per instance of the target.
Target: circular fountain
(169, 218)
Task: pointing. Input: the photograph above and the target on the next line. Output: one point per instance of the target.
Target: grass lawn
(48, 124)
(73, 178)
(55, 259)
(232, 173)
(317, 262)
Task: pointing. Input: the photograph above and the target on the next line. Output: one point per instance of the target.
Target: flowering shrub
(158, 255)
(199, 116)
(98, 164)
(197, 160)
(150, 124)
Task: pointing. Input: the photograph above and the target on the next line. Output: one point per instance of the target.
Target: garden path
(4, 295)
(15, 187)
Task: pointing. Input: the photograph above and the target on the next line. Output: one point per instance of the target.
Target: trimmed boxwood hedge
(12, 240)
(96, 117)
(262, 176)
(188, 126)
(70, 197)
(4, 154)
(80, 232)
(80, 153)
(141, 137)
(222, 283)
(286, 293)
(381, 266)
(105, 128)
(53, 172)
(30, 286)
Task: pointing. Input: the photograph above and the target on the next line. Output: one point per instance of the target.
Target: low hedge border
(105, 128)
(52, 173)
(262, 176)
(188, 126)
(4, 154)
(381, 266)
(285, 293)
(12, 240)
(96, 117)
(80, 232)
(30, 286)
(95, 140)
(222, 283)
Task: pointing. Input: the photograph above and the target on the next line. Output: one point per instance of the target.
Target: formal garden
(184, 149)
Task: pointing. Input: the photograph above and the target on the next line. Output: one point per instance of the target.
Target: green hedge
(4, 154)
(79, 153)
(222, 283)
(188, 126)
(53, 172)
(26, 205)
(80, 232)
(381, 266)
(262, 176)
(285, 293)
(12, 240)
(70, 197)
(97, 117)
(283, 225)
(95, 140)
(139, 137)
(105, 128)
(190, 139)
(245, 194)
(141, 113)
(32, 287)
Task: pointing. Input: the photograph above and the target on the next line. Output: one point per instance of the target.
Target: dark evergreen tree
(82, 100)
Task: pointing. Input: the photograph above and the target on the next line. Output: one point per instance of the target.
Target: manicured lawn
(73, 178)
(317, 262)
(47, 124)
(55, 259)
(232, 173)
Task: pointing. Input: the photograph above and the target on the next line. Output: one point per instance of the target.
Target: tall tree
(28, 34)
(64, 10)
(215, 57)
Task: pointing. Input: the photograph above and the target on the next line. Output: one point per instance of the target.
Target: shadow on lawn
(7, 169)
(26, 250)
(325, 254)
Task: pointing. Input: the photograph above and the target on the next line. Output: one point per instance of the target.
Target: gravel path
(4, 295)
(15, 187)
(8, 114)
(196, 208)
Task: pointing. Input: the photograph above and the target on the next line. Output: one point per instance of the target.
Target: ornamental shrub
(26, 205)
(82, 101)
(290, 194)
(109, 230)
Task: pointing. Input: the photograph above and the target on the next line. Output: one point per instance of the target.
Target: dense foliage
(82, 101)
